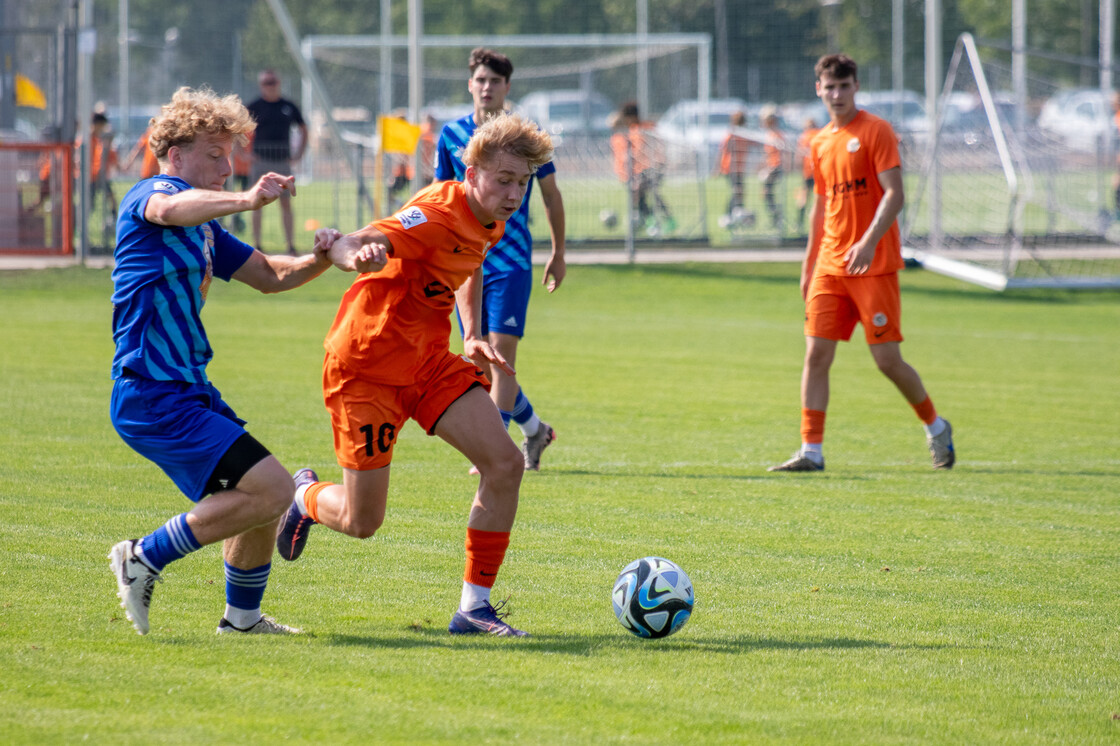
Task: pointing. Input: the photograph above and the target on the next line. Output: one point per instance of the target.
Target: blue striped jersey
(160, 281)
(514, 252)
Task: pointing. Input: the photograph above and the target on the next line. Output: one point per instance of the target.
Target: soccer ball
(608, 218)
(652, 597)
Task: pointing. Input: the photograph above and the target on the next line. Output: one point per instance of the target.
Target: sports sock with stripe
(244, 591)
(524, 415)
(171, 541)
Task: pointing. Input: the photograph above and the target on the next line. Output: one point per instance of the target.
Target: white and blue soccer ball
(652, 597)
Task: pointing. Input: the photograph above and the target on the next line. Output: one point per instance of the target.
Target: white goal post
(1004, 204)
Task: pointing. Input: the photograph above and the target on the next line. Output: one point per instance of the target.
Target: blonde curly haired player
(388, 360)
(170, 246)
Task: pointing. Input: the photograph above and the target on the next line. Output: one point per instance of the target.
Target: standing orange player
(852, 260)
(388, 360)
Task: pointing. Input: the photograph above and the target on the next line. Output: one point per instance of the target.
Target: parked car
(905, 110)
(568, 113)
(681, 127)
(1080, 118)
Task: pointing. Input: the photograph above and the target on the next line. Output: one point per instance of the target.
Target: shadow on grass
(590, 645)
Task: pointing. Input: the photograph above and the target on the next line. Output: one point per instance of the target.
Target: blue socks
(171, 541)
(522, 409)
(245, 588)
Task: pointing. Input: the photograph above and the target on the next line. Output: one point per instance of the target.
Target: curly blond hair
(512, 134)
(194, 111)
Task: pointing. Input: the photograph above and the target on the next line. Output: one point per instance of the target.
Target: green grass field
(879, 602)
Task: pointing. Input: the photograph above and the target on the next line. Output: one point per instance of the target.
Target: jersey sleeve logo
(411, 217)
(165, 186)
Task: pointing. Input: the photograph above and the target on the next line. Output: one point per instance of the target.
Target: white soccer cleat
(264, 626)
(135, 583)
(941, 448)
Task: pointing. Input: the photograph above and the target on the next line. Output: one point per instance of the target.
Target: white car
(569, 113)
(1081, 118)
(905, 110)
(680, 126)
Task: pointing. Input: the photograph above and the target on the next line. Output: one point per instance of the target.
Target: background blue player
(508, 269)
(169, 247)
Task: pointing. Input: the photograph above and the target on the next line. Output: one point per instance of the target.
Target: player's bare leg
(939, 433)
(473, 426)
(819, 355)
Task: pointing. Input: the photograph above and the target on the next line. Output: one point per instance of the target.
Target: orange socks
(485, 552)
(311, 499)
(926, 413)
(812, 426)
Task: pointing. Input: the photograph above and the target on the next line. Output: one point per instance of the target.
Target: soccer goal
(570, 84)
(1003, 203)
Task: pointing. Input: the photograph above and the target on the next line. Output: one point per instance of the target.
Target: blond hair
(512, 134)
(192, 112)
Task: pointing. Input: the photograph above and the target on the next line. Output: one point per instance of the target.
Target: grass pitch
(877, 602)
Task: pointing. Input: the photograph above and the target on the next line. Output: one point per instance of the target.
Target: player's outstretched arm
(367, 250)
(274, 273)
(197, 206)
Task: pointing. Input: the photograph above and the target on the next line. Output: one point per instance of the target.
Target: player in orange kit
(850, 272)
(388, 359)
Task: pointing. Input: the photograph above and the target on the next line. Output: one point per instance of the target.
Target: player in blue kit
(170, 246)
(508, 269)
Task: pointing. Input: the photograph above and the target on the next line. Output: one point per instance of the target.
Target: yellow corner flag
(29, 94)
(397, 135)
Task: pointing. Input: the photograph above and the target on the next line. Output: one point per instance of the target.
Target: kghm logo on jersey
(411, 217)
(848, 187)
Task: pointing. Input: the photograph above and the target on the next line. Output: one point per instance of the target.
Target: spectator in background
(149, 165)
(102, 161)
(771, 173)
(242, 162)
(809, 129)
(276, 117)
(639, 162)
(733, 152)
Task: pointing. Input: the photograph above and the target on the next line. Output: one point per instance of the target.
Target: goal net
(1004, 201)
(36, 208)
(570, 84)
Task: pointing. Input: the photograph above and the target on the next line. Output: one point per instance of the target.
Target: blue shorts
(505, 302)
(185, 428)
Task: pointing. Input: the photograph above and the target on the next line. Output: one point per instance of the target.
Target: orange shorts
(367, 417)
(835, 304)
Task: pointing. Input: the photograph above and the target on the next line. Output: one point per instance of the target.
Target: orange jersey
(774, 147)
(803, 148)
(392, 322)
(149, 166)
(242, 159)
(102, 156)
(645, 149)
(733, 154)
(846, 168)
